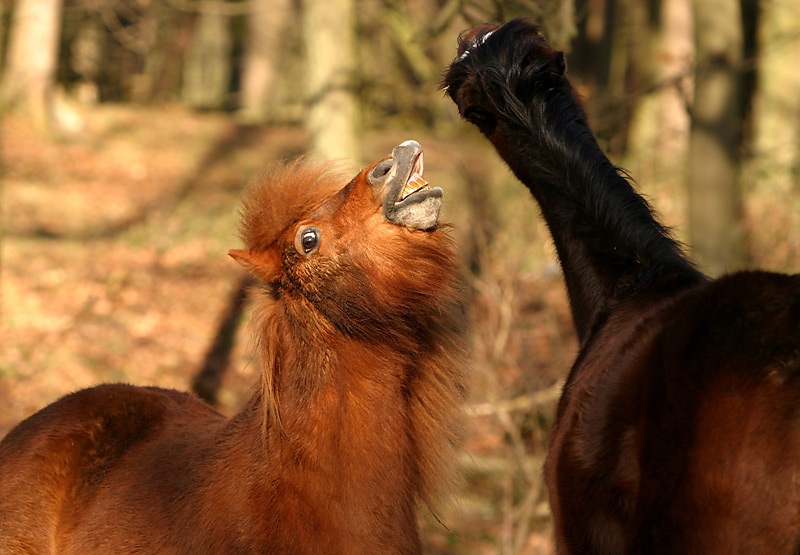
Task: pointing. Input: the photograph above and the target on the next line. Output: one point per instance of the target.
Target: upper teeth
(414, 184)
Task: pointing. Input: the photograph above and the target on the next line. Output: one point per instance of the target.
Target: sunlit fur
(363, 371)
(284, 194)
(678, 430)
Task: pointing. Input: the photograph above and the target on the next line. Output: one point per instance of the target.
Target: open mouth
(408, 198)
(416, 183)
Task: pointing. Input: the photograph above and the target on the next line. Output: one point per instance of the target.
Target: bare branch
(523, 402)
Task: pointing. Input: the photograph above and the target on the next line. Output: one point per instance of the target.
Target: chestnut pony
(360, 329)
(678, 430)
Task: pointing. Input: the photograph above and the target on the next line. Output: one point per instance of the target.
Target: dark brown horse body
(679, 426)
(360, 331)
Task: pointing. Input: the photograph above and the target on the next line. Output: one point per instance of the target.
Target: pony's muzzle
(407, 198)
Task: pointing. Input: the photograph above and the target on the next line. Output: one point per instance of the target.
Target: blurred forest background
(130, 128)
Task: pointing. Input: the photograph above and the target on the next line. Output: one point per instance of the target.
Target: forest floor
(114, 269)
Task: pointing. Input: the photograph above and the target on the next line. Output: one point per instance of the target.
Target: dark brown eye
(307, 240)
(481, 117)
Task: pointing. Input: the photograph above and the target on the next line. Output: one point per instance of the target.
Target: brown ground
(114, 268)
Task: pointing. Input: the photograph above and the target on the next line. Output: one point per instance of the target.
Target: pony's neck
(359, 431)
(340, 439)
(610, 246)
(353, 416)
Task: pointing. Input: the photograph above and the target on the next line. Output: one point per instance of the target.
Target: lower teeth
(414, 184)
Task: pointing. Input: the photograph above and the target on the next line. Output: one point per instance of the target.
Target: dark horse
(360, 323)
(678, 430)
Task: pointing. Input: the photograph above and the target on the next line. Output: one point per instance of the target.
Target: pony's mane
(523, 78)
(282, 195)
(436, 389)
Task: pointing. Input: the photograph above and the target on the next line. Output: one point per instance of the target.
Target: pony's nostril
(379, 172)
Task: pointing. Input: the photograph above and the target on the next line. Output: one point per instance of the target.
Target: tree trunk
(87, 56)
(265, 30)
(5, 8)
(32, 60)
(207, 69)
(776, 167)
(590, 56)
(659, 135)
(714, 196)
(158, 78)
(329, 37)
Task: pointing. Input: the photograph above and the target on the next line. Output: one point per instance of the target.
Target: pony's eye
(307, 240)
(479, 116)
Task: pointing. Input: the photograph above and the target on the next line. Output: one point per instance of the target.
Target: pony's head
(365, 257)
(495, 66)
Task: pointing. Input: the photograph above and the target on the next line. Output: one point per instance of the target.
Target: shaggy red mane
(283, 195)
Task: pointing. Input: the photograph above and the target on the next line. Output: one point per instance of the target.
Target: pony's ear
(265, 265)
